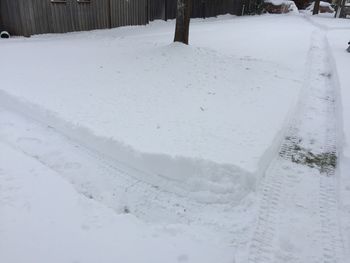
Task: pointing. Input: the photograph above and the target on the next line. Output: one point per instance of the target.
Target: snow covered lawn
(207, 116)
(118, 146)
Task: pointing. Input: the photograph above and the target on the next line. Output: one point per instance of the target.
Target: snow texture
(207, 117)
(44, 219)
(118, 147)
(338, 35)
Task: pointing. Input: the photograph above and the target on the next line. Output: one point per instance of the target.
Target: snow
(122, 89)
(310, 9)
(290, 4)
(338, 37)
(299, 216)
(329, 23)
(44, 219)
(276, 2)
(338, 41)
(117, 146)
(325, 4)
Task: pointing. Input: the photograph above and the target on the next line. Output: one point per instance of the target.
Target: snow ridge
(219, 183)
(104, 181)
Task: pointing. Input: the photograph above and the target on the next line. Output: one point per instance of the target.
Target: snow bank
(202, 180)
(43, 219)
(205, 118)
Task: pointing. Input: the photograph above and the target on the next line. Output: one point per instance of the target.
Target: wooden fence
(28, 17)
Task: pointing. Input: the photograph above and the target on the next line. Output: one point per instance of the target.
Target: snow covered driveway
(298, 219)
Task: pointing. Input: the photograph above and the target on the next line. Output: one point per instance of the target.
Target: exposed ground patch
(324, 161)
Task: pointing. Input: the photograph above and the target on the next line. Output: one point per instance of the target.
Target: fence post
(109, 12)
(204, 7)
(147, 12)
(166, 10)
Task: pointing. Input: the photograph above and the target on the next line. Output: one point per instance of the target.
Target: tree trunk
(182, 21)
(316, 7)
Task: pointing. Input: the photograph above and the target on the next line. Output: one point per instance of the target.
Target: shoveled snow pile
(206, 116)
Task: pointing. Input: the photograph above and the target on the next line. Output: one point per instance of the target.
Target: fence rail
(28, 17)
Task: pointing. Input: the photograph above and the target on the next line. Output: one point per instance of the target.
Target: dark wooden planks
(28, 17)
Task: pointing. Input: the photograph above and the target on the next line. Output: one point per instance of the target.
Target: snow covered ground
(44, 219)
(176, 153)
(338, 35)
(208, 116)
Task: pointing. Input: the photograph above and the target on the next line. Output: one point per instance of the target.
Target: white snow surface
(207, 116)
(338, 37)
(43, 219)
(116, 146)
(325, 4)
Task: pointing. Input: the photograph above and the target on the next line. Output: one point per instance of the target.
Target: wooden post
(166, 10)
(109, 12)
(203, 5)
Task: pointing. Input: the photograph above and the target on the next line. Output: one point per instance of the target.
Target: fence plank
(29, 17)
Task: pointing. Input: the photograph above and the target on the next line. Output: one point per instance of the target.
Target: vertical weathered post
(109, 12)
(203, 3)
(166, 10)
(183, 14)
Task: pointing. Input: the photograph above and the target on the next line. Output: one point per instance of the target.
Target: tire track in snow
(298, 219)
